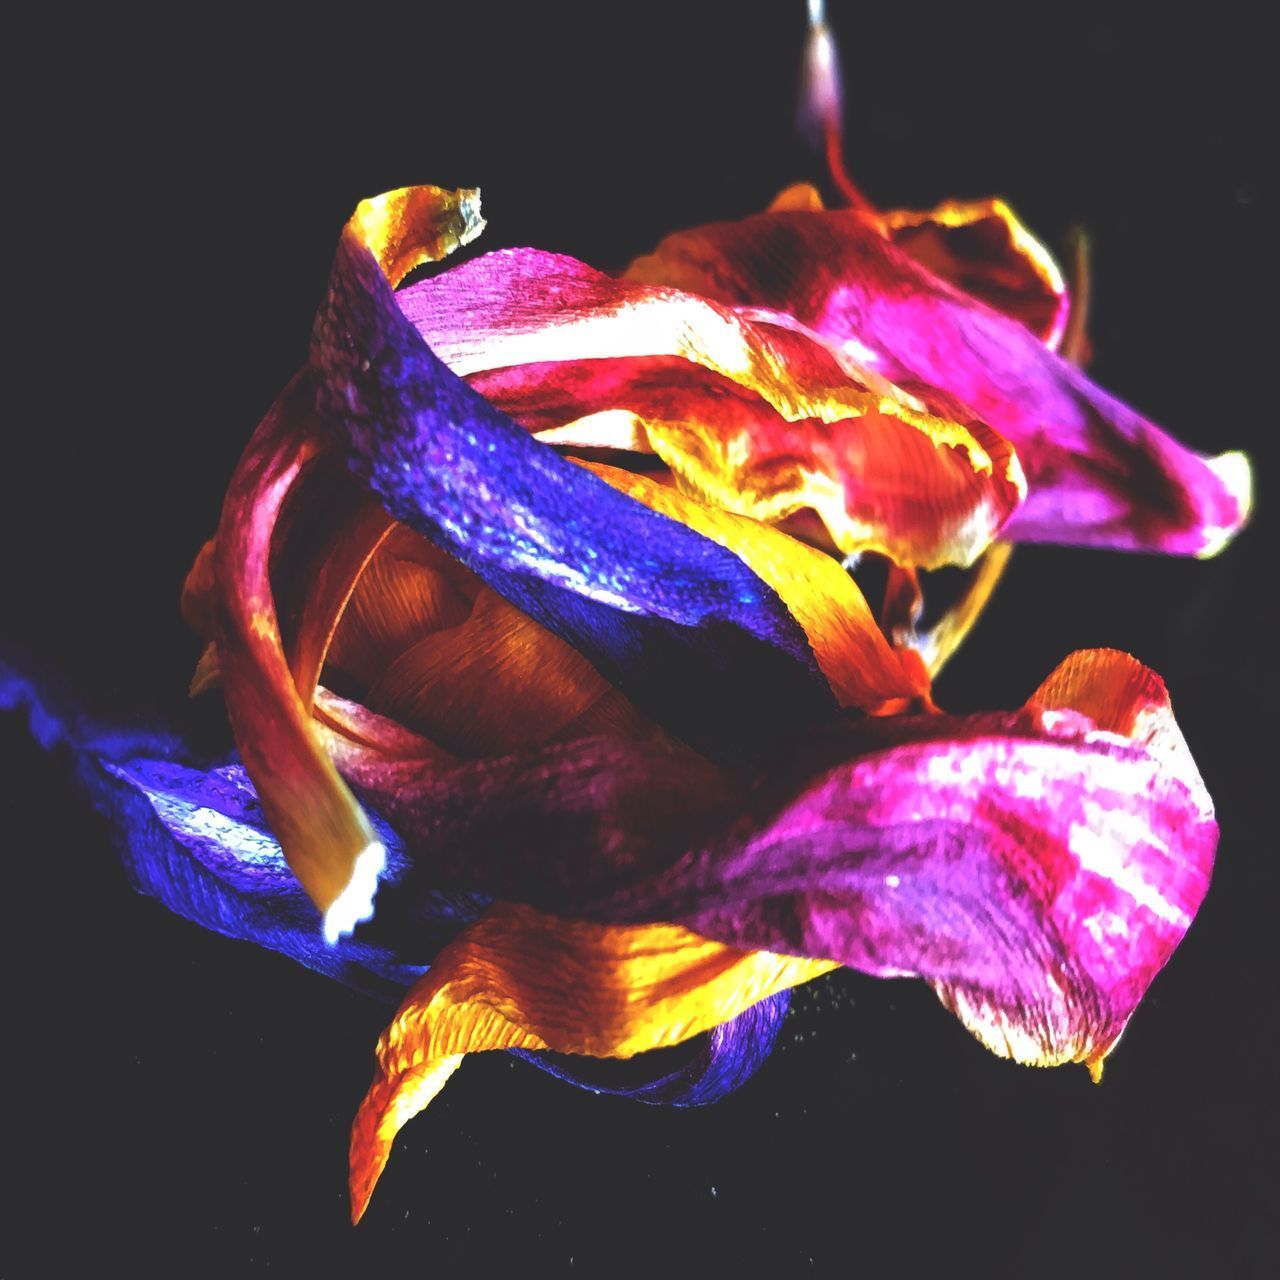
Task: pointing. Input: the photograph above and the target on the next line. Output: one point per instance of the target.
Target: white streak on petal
(355, 902)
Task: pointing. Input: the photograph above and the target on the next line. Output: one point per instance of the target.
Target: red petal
(1097, 472)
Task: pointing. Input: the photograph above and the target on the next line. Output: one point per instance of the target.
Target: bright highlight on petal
(1235, 472)
(355, 903)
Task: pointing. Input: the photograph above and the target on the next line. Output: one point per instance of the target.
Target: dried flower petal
(1097, 472)
(1039, 868)
(518, 979)
(751, 412)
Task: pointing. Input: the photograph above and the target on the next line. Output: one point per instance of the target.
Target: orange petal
(409, 589)
(442, 654)
(326, 838)
(410, 226)
(748, 408)
(342, 559)
(495, 684)
(208, 674)
(1122, 696)
(520, 979)
(803, 196)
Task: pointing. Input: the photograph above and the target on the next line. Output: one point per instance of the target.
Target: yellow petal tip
(1236, 473)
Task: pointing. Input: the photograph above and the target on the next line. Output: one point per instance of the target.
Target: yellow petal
(520, 979)
(861, 667)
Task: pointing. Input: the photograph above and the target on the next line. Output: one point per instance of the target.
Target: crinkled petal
(206, 853)
(223, 869)
(1097, 472)
(1038, 868)
(197, 841)
(519, 979)
(326, 837)
(980, 247)
(677, 622)
(753, 412)
(977, 245)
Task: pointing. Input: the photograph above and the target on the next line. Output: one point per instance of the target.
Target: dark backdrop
(178, 1102)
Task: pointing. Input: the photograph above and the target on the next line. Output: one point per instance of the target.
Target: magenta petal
(1098, 473)
(1037, 867)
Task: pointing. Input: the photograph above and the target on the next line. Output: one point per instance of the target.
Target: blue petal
(678, 622)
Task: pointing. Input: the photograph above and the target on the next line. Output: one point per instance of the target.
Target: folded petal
(1098, 473)
(680, 624)
(980, 247)
(201, 846)
(752, 412)
(849, 647)
(1038, 867)
(519, 979)
(326, 836)
(221, 867)
(197, 841)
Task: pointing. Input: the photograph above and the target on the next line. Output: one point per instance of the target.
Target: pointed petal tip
(361, 1194)
(355, 903)
(1235, 471)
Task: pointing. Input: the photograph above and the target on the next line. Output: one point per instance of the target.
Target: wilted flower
(530, 609)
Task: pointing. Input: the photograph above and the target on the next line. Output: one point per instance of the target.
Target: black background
(178, 1103)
